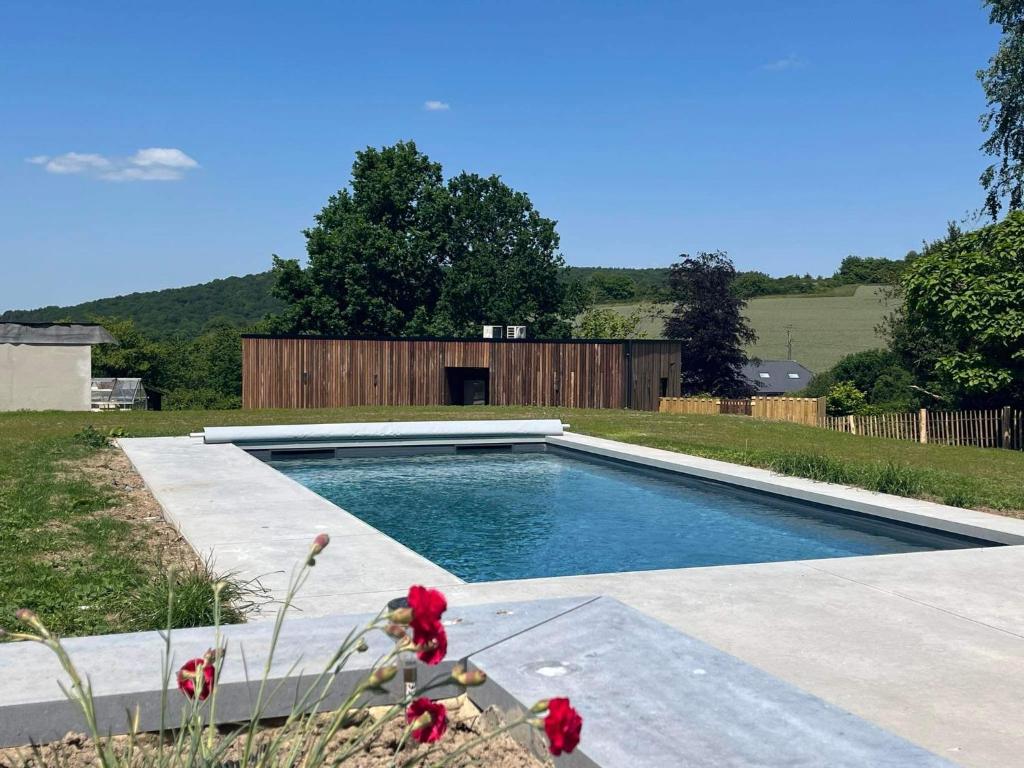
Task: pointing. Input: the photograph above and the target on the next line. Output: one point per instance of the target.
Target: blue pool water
(523, 515)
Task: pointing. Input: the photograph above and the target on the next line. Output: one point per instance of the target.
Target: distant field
(824, 327)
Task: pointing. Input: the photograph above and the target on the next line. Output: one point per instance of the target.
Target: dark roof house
(777, 377)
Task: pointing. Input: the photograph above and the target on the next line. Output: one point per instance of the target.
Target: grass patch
(884, 477)
(87, 572)
(193, 599)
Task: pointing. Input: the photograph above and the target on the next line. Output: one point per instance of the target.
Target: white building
(48, 366)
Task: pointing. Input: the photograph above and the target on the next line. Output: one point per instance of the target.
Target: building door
(468, 386)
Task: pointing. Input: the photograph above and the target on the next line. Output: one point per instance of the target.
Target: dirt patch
(110, 470)
(465, 724)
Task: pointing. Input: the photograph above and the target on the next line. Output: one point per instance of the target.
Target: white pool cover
(385, 430)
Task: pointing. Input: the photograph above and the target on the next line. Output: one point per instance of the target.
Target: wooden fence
(802, 410)
(1000, 428)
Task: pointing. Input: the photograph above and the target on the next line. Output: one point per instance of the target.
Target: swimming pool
(494, 516)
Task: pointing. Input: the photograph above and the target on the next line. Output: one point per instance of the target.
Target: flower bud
(362, 647)
(320, 543)
(382, 675)
(468, 678)
(400, 616)
(421, 722)
(25, 616)
(395, 631)
(540, 706)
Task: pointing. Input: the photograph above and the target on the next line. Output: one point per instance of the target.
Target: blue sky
(789, 133)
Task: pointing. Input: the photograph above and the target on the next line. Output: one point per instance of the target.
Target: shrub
(307, 737)
(878, 373)
(844, 399)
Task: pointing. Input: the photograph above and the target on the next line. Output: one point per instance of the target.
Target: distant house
(48, 366)
(777, 377)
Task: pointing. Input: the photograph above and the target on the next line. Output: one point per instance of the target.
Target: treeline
(607, 285)
(204, 372)
(174, 312)
(246, 301)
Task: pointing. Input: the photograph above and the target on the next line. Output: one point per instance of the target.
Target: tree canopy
(604, 323)
(403, 253)
(708, 320)
(964, 297)
(374, 251)
(1003, 120)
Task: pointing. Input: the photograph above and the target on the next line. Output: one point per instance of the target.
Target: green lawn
(81, 571)
(825, 326)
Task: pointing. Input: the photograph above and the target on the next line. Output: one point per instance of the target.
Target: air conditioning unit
(494, 331)
(515, 332)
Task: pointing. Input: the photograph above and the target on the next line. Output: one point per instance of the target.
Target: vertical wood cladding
(313, 372)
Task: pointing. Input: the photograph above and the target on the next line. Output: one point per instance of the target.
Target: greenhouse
(118, 394)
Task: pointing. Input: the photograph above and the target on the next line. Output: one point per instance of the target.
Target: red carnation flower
(428, 632)
(427, 606)
(562, 726)
(194, 670)
(429, 718)
(432, 643)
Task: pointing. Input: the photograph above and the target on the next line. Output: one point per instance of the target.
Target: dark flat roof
(55, 334)
(319, 337)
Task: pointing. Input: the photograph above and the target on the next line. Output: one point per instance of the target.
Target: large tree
(502, 264)
(708, 320)
(375, 251)
(1003, 121)
(403, 253)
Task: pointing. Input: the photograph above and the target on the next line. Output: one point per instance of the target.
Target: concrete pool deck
(929, 646)
(695, 705)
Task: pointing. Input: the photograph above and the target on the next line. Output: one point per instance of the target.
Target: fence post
(922, 417)
(852, 423)
(1004, 433)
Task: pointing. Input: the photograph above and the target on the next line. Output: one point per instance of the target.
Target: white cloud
(168, 158)
(71, 162)
(150, 164)
(436, 106)
(781, 65)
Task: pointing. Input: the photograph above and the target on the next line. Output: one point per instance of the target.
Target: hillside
(174, 311)
(824, 327)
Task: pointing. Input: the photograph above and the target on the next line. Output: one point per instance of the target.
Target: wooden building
(325, 372)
